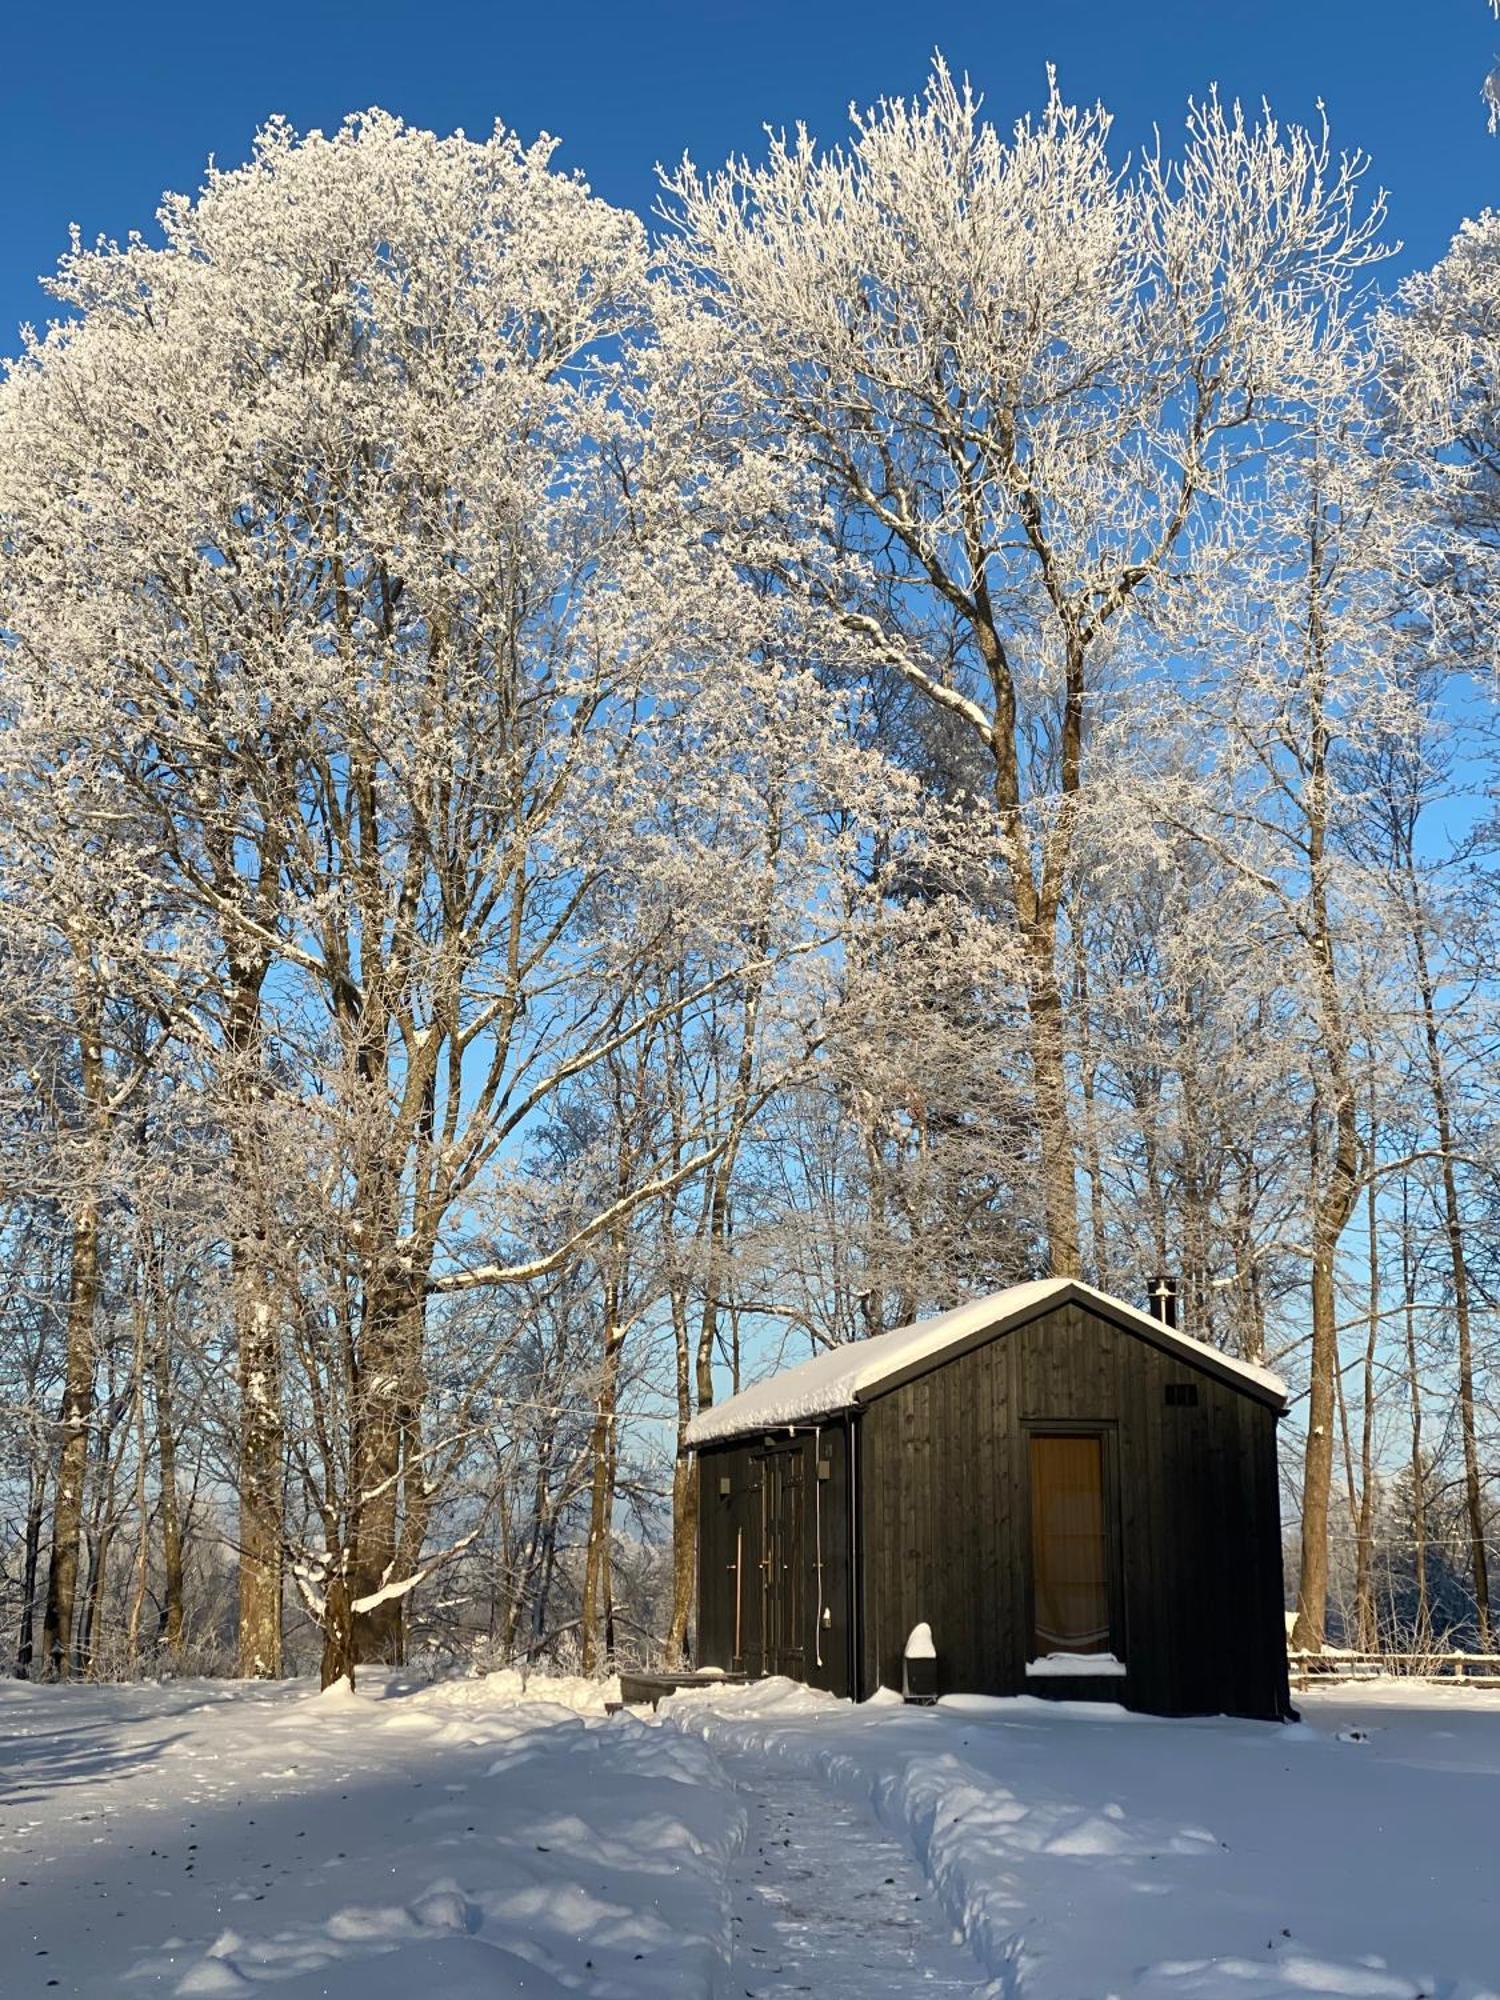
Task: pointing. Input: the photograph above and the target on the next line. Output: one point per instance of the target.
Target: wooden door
(1071, 1554)
(784, 1590)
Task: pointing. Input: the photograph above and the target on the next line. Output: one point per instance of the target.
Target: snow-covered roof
(843, 1377)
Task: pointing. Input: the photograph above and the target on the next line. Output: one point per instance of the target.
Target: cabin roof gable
(843, 1378)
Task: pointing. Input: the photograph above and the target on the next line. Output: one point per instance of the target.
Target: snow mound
(508, 1685)
(467, 1969)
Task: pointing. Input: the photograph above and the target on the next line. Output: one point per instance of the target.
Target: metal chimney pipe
(1161, 1300)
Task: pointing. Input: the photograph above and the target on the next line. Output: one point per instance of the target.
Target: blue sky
(104, 106)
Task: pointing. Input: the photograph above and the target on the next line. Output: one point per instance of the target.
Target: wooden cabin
(1079, 1500)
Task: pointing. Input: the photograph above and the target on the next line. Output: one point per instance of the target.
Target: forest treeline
(584, 810)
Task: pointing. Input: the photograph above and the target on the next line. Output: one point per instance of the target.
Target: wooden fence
(1481, 1670)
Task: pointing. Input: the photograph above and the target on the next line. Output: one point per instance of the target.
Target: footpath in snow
(823, 1900)
(1086, 1853)
(477, 1841)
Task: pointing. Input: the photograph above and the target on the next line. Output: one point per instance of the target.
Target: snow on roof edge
(841, 1377)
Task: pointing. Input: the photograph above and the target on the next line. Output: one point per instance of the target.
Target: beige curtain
(1069, 1563)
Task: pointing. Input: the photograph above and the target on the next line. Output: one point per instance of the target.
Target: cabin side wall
(945, 1529)
(734, 1559)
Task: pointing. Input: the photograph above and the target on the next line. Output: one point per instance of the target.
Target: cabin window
(1070, 1567)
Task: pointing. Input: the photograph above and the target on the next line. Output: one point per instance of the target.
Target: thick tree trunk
(543, 1604)
(1333, 1183)
(695, 1372)
(73, 1456)
(338, 1661)
(607, 1550)
(523, 1575)
(382, 1398)
(684, 1495)
(502, 1575)
(1351, 1485)
(260, 1531)
(1317, 1464)
(684, 1554)
(1473, 1479)
(99, 1535)
(259, 1347)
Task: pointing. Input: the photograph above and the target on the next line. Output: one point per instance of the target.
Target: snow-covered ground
(476, 1839)
(1086, 1852)
(443, 1843)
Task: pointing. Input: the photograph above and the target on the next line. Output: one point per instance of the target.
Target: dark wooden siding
(820, 1591)
(725, 1525)
(942, 1483)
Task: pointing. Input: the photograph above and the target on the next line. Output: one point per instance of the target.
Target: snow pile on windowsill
(1074, 1666)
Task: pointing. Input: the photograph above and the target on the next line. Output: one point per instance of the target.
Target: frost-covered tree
(570, 829)
(93, 985)
(320, 534)
(1306, 668)
(987, 387)
(1441, 343)
(290, 512)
